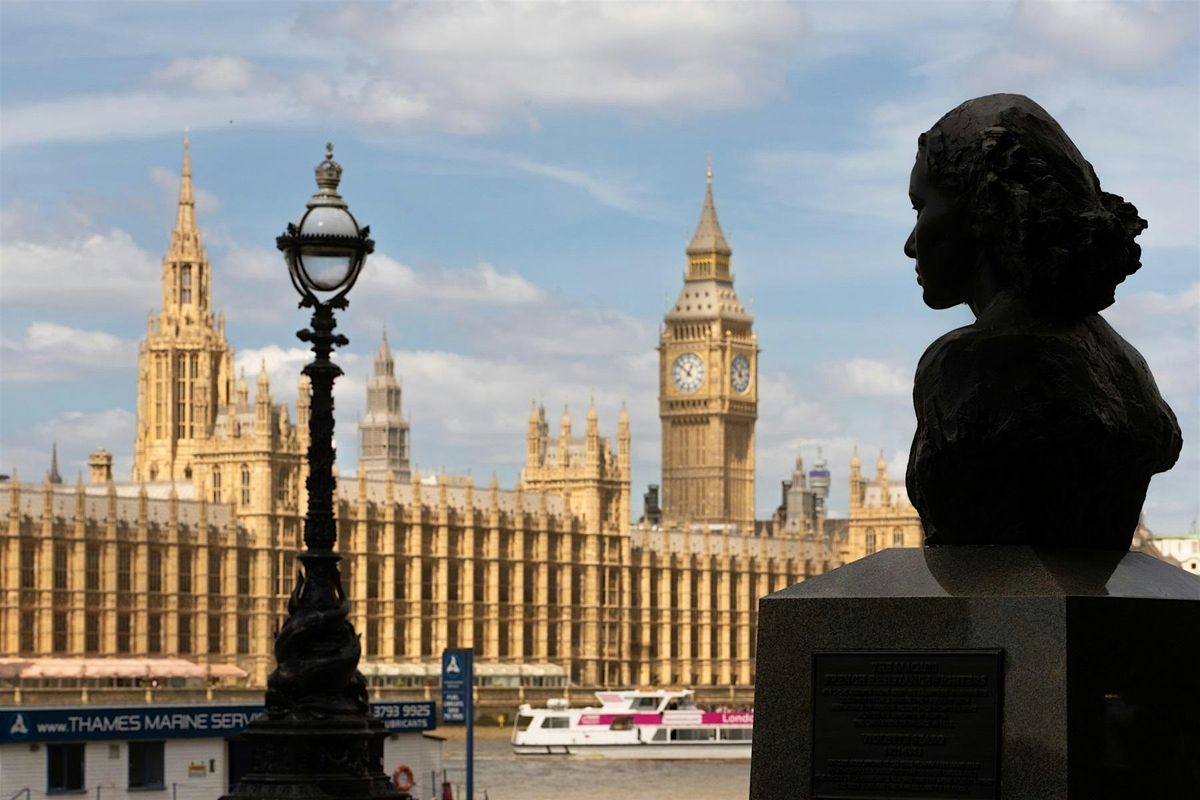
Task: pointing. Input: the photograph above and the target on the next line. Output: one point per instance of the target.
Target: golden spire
(708, 239)
(185, 217)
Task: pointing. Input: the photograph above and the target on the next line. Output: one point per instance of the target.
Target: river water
(505, 776)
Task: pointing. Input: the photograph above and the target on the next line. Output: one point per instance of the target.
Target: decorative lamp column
(318, 739)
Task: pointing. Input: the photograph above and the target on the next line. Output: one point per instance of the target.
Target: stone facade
(881, 515)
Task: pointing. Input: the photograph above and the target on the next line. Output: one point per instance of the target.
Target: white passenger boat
(657, 723)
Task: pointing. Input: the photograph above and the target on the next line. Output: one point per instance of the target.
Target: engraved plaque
(907, 725)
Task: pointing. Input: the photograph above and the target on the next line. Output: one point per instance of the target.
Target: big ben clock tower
(708, 389)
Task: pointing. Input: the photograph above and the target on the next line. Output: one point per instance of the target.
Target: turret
(564, 437)
(533, 437)
(243, 392)
(592, 441)
(885, 495)
(623, 440)
(262, 403)
(303, 405)
(855, 480)
(100, 466)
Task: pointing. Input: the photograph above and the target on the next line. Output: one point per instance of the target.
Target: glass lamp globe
(325, 263)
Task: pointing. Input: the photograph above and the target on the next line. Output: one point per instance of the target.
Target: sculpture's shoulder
(1088, 349)
(1075, 379)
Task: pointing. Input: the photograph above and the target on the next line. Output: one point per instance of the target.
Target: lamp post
(317, 739)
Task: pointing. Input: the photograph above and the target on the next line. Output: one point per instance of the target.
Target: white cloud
(1165, 328)
(579, 54)
(622, 195)
(50, 352)
(1104, 33)
(89, 429)
(868, 378)
(209, 75)
(482, 285)
(77, 434)
(57, 273)
(141, 115)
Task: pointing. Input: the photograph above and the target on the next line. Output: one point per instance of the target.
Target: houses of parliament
(195, 556)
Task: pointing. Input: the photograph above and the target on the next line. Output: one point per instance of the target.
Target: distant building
(881, 515)
(1182, 549)
(804, 496)
(383, 431)
(196, 556)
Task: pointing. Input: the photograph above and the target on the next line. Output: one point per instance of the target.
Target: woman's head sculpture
(1037, 424)
(1029, 206)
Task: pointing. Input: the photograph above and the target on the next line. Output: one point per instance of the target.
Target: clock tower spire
(708, 387)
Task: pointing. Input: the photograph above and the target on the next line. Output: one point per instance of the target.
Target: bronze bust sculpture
(1036, 424)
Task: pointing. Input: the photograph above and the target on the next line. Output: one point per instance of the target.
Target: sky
(532, 174)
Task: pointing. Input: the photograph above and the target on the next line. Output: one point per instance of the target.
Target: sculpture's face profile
(939, 242)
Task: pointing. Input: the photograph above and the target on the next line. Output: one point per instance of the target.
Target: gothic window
(184, 568)
(91, 638)
(245, 485)
(871, 545)
(214, 572)
(154, 570)
(897, 538)
(281, 487)
(160, 411)
(193, 423)
(154, 633)
(243, 573)
(92, 567)
(60, 565)
(28, 559)
(124, 568)
(187, 473)
(216, 485)
(59, 631)
(214, 634)
(243, 635)
(185, 283)
(185, 633)
(124, 633)
(181, 397)
(27, 632)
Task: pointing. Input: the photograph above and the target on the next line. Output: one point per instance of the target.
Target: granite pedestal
(1099, 661)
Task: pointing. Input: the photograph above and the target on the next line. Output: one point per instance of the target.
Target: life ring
(402, 778)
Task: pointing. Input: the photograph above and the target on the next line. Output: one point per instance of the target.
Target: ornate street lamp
(317, 739)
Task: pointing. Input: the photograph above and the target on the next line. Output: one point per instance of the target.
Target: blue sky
(531, 174)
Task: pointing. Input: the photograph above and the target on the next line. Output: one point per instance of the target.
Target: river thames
(504, 776)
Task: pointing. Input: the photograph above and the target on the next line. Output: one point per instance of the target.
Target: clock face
(688, 372)
(739, 374)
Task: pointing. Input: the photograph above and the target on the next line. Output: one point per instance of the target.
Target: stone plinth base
(315, 759)
(1100, 663)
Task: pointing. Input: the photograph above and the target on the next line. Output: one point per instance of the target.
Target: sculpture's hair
(1034, 203)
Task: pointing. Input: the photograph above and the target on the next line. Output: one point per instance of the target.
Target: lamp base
(315, 759)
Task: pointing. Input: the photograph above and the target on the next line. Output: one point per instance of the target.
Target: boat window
(621, 724)
(660, 735)
(737, 734)
(694, 734)
(523, 721)
(640, 703)
(556, 722)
